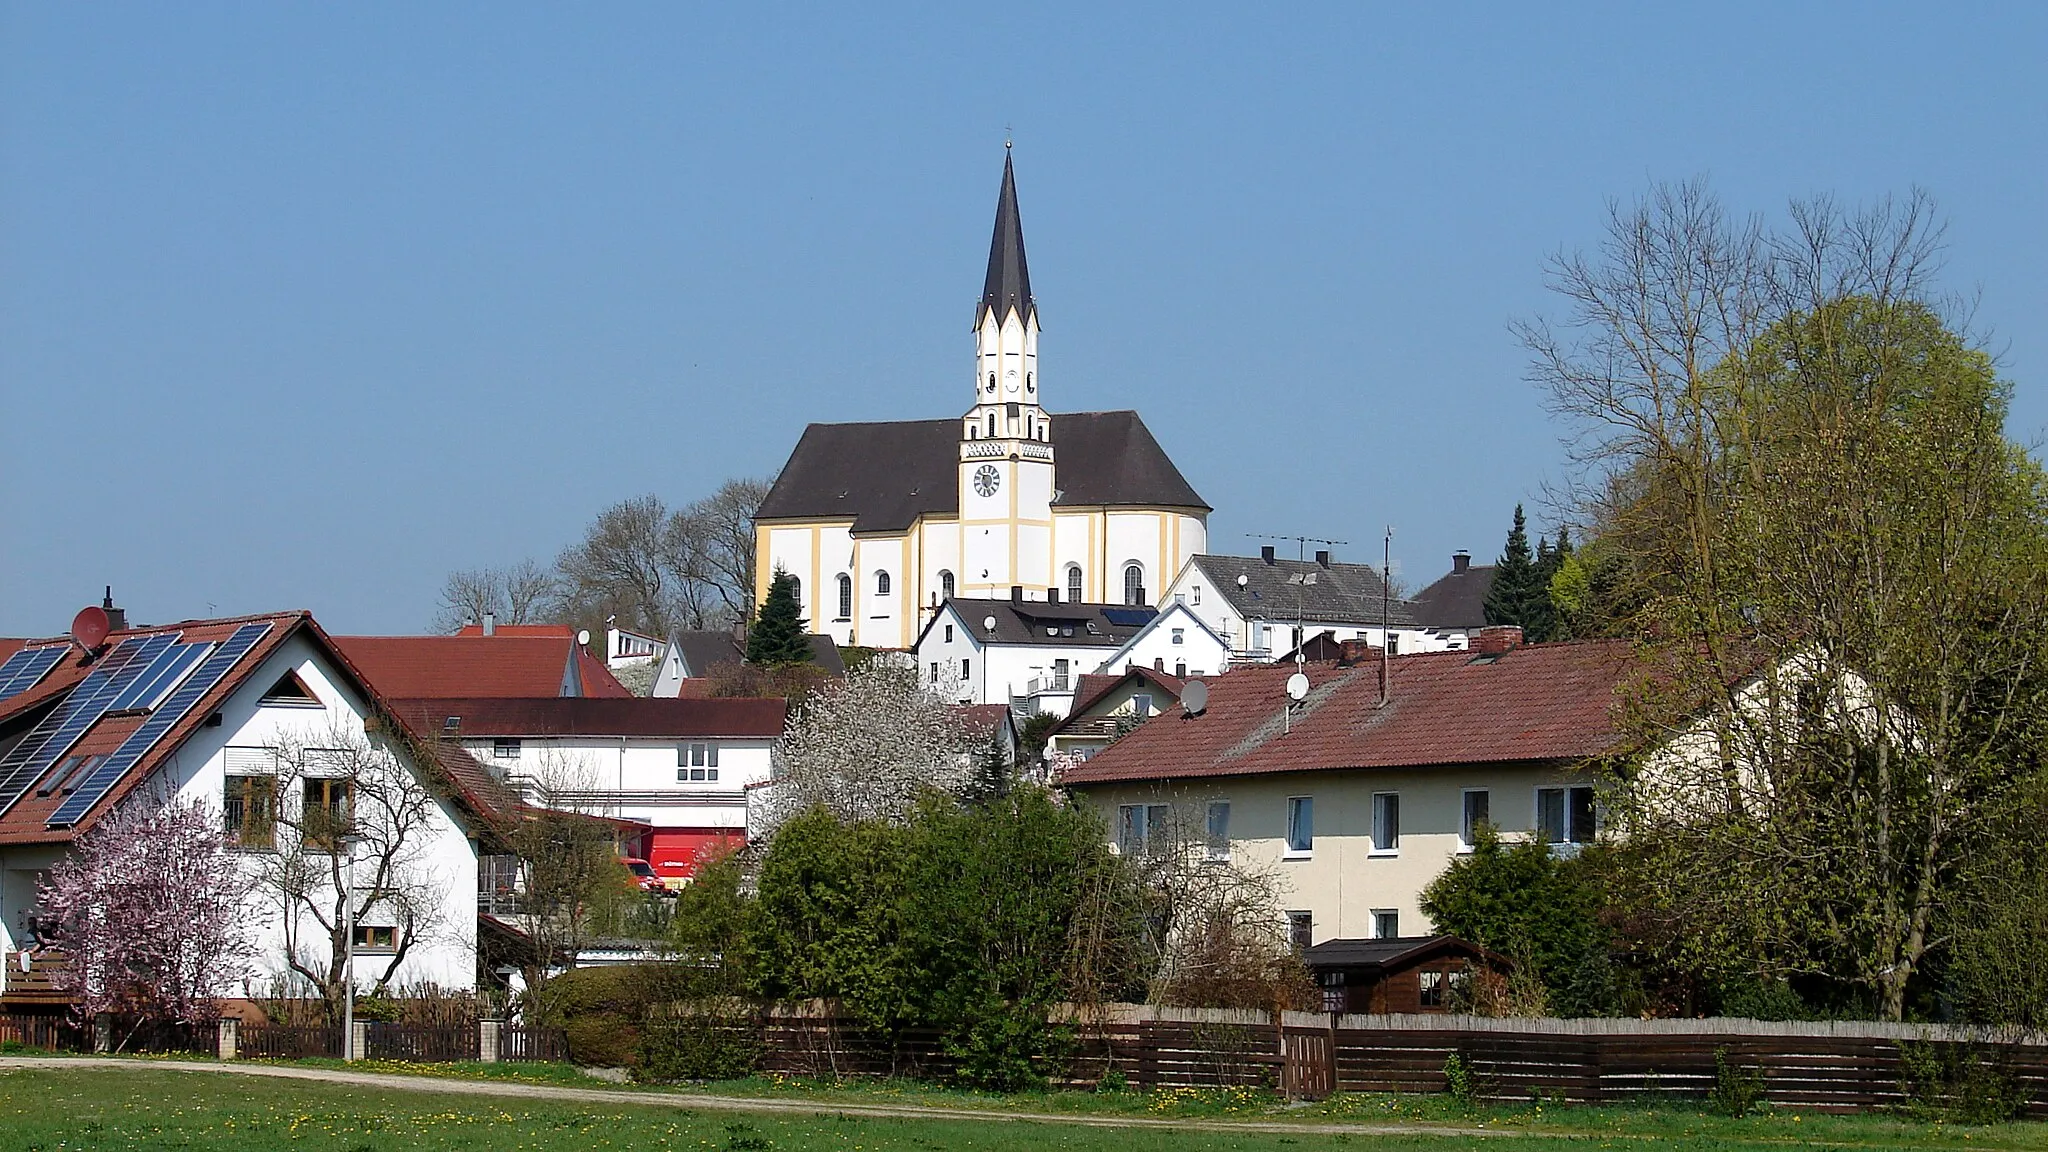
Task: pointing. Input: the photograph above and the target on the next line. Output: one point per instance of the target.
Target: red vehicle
(643, 874)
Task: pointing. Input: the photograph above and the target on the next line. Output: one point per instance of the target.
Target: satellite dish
(90, 627)
(988, 622)
(1243, 580)
(1297, 686)
(1194, 697)
(583, 637)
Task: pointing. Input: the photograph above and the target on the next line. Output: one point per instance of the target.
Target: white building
(1028, 654)
(881, 522)
(1265, 607)
(200, 711)
(1176, 641)
(678, 767)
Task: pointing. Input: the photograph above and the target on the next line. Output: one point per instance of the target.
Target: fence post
(358, 1040)
(230, 1037)
(487, 1035)
(103, 1033)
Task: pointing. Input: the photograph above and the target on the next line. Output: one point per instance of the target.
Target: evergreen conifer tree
(777, 636)
(1514, 575)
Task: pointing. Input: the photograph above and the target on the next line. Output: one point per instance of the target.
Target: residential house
(1174, 641)
(1263, 606)
(524, 662)
(202, 710)
(1358, 796)
(676, 770)
(1454, 605)
(1027, 654)
(1106, 706)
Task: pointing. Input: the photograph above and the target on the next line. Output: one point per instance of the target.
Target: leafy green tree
(828, 919)
(777, 637)
(1530, 904)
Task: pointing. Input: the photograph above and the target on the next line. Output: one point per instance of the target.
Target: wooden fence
(523, 1042)
(1835, 1066)
(390, 1041)
(286, 1041)
(49, 1033)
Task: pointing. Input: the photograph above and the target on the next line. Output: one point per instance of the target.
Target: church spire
(1009, 280)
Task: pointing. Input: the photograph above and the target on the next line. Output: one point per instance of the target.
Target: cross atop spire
(1009, 280)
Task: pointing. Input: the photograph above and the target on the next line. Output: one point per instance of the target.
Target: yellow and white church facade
(880, 522)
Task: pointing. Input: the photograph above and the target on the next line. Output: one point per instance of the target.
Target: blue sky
(306, 305)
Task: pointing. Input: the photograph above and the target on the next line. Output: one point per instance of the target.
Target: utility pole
(1386, 597)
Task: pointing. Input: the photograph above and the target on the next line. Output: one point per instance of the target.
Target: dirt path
(451, 1086)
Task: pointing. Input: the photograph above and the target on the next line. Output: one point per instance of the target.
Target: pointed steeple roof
(1009, 280)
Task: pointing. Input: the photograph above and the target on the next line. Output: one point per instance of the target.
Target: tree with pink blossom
(148, 909)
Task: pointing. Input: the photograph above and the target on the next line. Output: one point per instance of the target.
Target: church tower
(1006, 450)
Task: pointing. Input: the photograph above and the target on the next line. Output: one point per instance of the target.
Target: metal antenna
(1301, 543)
(1386, 597)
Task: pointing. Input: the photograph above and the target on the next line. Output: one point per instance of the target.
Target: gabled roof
(638, 716)
(1008, 286)
(1394, 952)
(560, 631)
(462, 667)
(1325, 594)
(704, 650)
(1037, 623)
(1173, 611)
(1094, 688)
(884, 476)
(28, 819)
(1543, 702)
(1456, 600)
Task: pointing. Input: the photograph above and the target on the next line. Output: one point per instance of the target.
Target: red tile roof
(561, 631)
(981, 719)
(1093, 686)
(467, 667)
(26, 822)
(1534, 703)
(656, 717)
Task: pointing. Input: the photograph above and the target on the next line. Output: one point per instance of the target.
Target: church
(880, 522)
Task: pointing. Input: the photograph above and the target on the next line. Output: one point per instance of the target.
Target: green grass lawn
(144, 1107)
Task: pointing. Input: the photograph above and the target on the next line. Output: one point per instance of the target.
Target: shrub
(1956, 1082)
(601, 1010)
(700, 1040)
(1461, 1080)
(1736, 1088)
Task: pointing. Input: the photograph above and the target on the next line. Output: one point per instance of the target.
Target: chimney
(1266, 553)
(1322, 557)
(1159, 663)
(1016, 593)
(1497, 639)
(1356, 651)
(490, 623)
(1052, 595)
(1461, 561)
(117, 618)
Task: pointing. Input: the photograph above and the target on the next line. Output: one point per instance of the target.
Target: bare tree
(350, 827)
(723, 527)
(521, 594)
(529, 591)
(865, 746)
(570, 882)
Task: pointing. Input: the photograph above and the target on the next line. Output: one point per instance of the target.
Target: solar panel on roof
(1129, 617)
(54, 735)
(210, 672)
(26, 668)
(156, 681)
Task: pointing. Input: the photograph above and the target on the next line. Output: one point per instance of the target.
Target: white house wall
(635, 778)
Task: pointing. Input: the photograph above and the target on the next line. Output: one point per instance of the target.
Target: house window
(1141, 829)
(1180, 635)
(1301, 930)
(289, 690)
(696, 775)
(1060, 668)
(1393, 644)
(328, 812)
(1134, 583)
(1430, 986)
(1198, 593)
(949, 633)
(376, 938)
(1219, 829)
(249, 805)
(1301, 824)
(1386, 822)
(1477, 803)
(1565, 815)
(881, 583)
(946, 590)
(1386, 923)
(697, 755)
(845, 597)
(935, 671)
(505, 749)
(1141, 703)
(964, 669)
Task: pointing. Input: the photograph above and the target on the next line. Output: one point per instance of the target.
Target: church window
(1029, 384)
(881, 583)
(796, 591)
(946, 583)
(991, 381)
(845, 596)
(991, 417)
(1134, 583)
(1074, 583)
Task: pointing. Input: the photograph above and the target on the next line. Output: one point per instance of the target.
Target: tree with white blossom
(864, 747)
(148, 909)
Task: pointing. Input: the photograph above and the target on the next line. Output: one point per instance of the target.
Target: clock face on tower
(987, 480)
